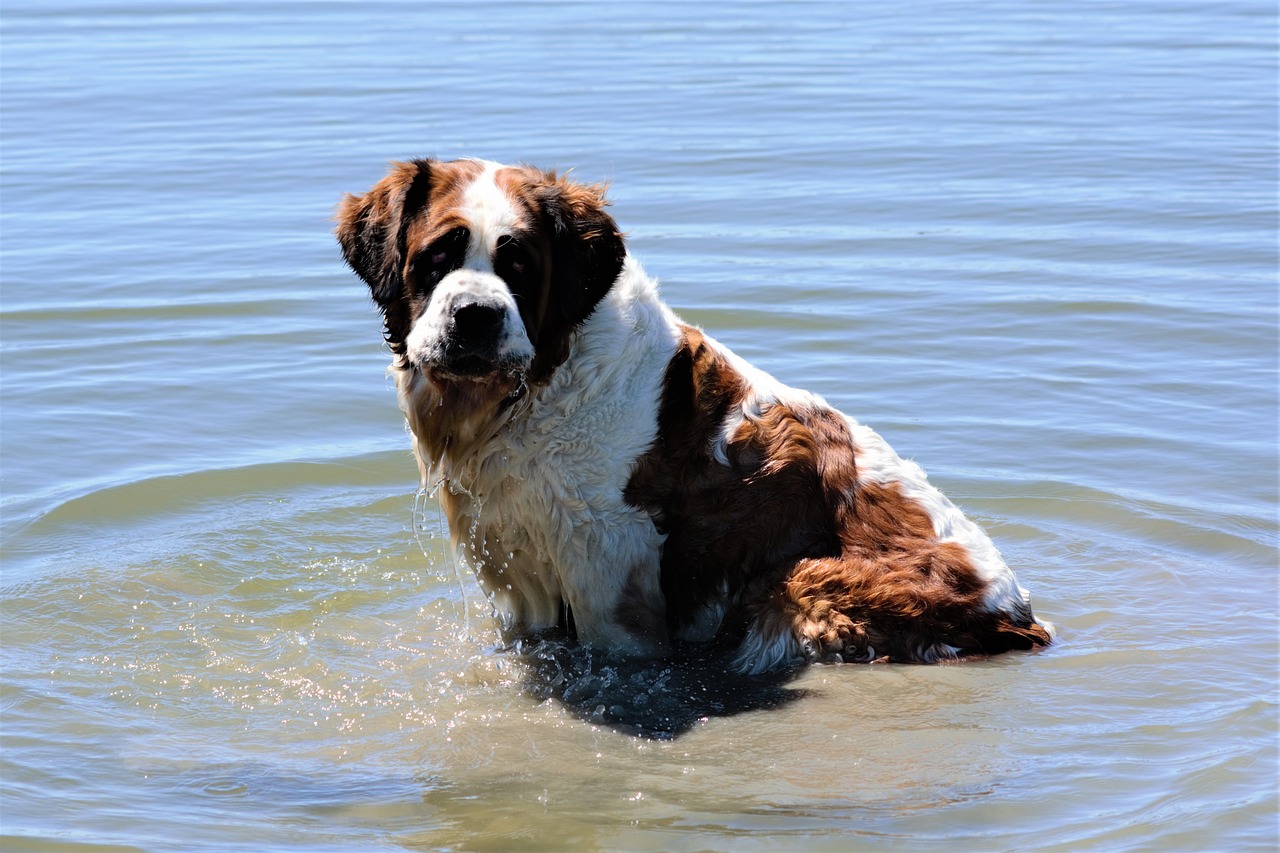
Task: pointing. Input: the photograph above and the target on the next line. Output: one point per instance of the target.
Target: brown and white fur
(605, 463)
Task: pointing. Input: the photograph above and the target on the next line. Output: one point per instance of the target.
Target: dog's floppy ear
(587, 248)
(371, 227)
(587, 253)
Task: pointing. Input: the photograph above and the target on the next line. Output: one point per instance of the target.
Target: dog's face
(482, 271)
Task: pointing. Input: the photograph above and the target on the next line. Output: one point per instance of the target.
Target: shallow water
(1032, 244)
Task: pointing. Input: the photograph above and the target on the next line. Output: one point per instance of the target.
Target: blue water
(1032, 244)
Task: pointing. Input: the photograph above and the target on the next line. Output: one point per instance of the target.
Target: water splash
(439, 531)
(651, 699)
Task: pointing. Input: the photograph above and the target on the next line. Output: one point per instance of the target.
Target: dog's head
(482, 271)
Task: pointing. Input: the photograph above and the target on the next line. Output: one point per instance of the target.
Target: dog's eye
(510, 256)
(441, 257)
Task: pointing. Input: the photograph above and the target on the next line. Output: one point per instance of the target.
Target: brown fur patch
(853, 571)
(381, 231)
(739, 525)
(581, 253)
(451, 419)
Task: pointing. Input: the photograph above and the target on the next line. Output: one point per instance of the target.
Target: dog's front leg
(612, 582)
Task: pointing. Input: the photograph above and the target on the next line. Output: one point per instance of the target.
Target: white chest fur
(538, 510)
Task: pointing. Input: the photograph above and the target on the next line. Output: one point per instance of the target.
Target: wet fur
(621, 469)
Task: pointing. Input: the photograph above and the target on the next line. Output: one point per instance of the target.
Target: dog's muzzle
(477, 343)
(472, 339)
(471, 332)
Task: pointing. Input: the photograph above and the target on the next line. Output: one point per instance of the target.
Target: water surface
(1031, 244)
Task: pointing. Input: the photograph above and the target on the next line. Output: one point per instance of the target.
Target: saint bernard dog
(612, 471)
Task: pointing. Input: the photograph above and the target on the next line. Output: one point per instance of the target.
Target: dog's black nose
(476, 323)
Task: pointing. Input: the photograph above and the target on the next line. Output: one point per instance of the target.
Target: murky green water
(1032, 244)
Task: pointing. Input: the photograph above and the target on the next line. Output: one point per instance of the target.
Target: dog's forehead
(489, 199)
(450, 181)
(488, 205)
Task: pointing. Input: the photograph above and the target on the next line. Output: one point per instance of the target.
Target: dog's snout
(476, 322)
(470, 329)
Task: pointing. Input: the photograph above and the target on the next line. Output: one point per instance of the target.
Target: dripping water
(422, 533)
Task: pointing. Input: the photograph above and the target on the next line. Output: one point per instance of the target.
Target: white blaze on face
(492, 216)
